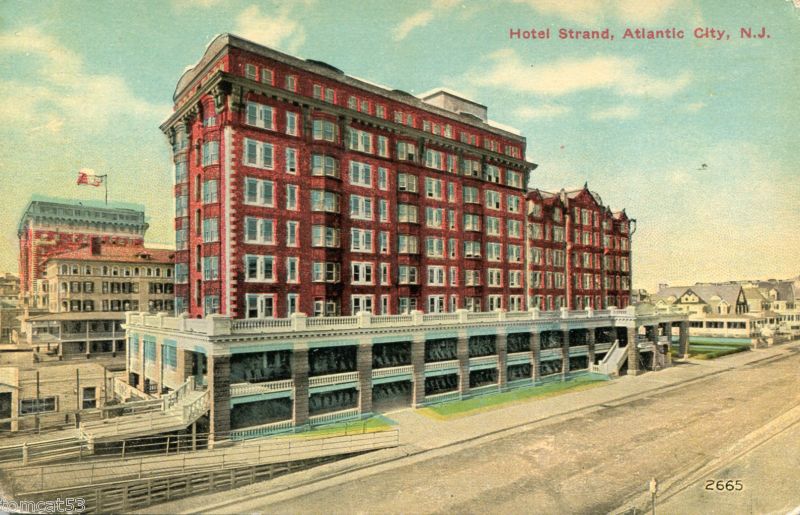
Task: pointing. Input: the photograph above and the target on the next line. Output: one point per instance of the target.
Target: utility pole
(653, 492)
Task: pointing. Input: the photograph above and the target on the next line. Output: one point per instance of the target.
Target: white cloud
(191, 4)
(421, 18)
(61, 93)
(544, 111)
(594, 11)
(416, 20)
(275, 29)
(622, 75)
(622, 112)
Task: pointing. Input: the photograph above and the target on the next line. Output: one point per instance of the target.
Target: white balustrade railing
(334, 416)
(262, 323)
(442, 397)
(440, 317)
(332, 321)
(346, 377)
(579, 349)
(392, 371)
(602, 347)
(441, 365)
(260, 430)
(549, 353)
(483, 360)
(219, 324)
(241, 389)
(518, 357)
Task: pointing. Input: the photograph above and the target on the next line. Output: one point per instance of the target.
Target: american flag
(88, 177)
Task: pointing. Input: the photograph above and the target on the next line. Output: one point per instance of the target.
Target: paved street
(586, 452)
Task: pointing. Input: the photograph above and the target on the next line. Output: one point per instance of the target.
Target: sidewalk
(422, 437)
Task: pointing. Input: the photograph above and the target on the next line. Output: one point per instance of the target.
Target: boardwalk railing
(298, 322)
(36, 480)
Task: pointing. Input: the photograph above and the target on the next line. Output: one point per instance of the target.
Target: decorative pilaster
(462, 352)
(536, 344)
(501, 342)
(633, 352)
(590, 341)
(220, 387)
(418, 363)
(300, 368)
(564, 353)
(364, 364)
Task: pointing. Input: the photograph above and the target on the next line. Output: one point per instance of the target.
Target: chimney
(663, 286)
(95, 246)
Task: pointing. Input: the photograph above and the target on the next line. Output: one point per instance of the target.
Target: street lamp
(653, 492)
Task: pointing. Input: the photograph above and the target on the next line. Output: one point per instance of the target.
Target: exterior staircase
(612, 361)
(179, 409)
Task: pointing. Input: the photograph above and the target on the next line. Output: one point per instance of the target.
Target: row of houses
(747, 309)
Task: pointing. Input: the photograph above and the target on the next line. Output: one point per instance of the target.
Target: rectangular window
(360, 174)
(324, 130)
(471, 195)
(433, 217)
(259, 268)
(259, 154)
(406, 182)
(406, 151)
(260, 306)
(407, 244)
(210, 192)
(361, 303)
(360, 240)
(41, 405)
(407, 275)
(492, 199)
(472, 222)
(383, 210)
(383, 146)
(259, 115)
(434, 247)
(291, 124)
(360, 207)
(292, 233)
(436, 276)
(493, 251)
(210, 230)
(326, 201)
(383, 178)
(210, 151)
(360, 141)
(291, 160)
(324, 165)
(322, 236)
(326, 272)
(361, 273)
(291, 197)
(210, 268)
(472, 249)
(407, 213)
(292, 269)
(259, 230)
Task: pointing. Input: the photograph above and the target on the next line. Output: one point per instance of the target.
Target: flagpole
(105, 185)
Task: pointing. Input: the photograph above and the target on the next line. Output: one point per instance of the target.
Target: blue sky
(86, 84)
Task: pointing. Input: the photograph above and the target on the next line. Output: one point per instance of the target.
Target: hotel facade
(301, 189)
(349, 247)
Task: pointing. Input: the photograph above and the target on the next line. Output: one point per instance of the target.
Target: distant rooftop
(118, 254)
(87, 211)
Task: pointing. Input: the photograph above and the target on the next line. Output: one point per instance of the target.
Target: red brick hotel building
(301, 189)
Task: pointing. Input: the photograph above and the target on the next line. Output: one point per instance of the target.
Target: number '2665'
(722, 485)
